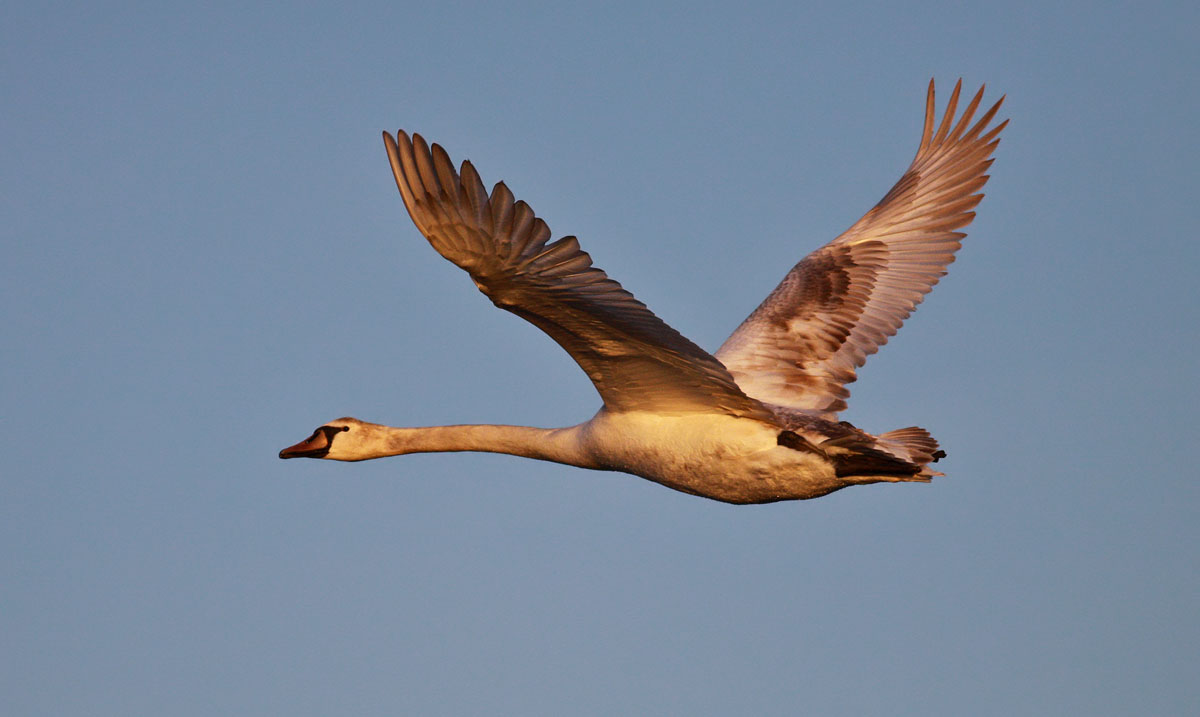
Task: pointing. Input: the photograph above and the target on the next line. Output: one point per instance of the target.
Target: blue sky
(205, 257)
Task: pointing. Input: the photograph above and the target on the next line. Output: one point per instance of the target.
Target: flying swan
(755, 422)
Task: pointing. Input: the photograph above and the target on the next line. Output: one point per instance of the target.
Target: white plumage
(757, 421)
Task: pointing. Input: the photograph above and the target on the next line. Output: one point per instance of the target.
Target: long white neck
(561, 445)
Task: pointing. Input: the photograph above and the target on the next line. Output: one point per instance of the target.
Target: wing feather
(843, 301)
(635, 360)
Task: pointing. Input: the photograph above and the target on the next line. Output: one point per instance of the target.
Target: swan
(755, 422)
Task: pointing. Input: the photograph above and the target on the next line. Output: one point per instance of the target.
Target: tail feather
(914, 445)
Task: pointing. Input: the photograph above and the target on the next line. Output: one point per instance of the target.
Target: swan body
(736, 460)
(755, 422)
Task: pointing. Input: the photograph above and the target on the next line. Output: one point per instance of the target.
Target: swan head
(344, 439)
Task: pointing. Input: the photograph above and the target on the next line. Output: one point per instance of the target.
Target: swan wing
(636, 361)
(843, 301)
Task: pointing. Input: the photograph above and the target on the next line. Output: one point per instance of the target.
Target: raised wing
(636, 361)
(843, 301)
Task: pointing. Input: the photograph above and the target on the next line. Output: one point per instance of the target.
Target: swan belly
(736, 460)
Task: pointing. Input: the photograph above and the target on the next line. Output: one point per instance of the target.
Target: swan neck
(560, 445)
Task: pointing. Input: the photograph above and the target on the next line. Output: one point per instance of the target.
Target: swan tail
(900, 455)
(915, 446)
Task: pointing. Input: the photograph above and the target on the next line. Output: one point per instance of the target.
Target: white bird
(755, 422)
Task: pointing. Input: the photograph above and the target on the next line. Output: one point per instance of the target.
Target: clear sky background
(205, 257)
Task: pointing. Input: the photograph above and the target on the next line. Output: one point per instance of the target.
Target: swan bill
(315, 446)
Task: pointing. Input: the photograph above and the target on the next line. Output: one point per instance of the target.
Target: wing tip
(959, 133)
